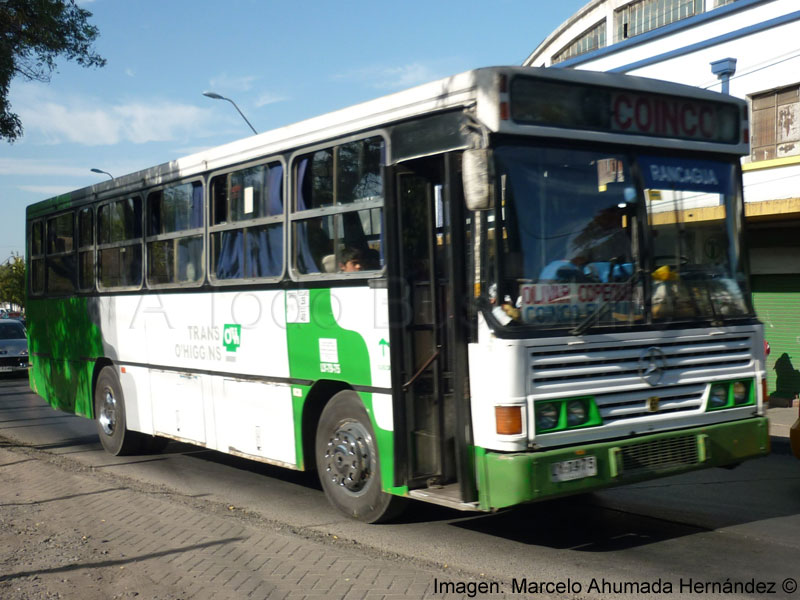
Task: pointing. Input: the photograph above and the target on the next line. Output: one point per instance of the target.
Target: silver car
(13, 346)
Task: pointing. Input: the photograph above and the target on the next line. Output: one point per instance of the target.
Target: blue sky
(280, 61)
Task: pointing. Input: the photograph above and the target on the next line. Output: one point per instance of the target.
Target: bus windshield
(574, 239)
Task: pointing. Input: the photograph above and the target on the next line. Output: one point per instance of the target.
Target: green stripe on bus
(62, 338)
(308, 341)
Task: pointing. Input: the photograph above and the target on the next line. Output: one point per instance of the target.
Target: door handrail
(422, 369)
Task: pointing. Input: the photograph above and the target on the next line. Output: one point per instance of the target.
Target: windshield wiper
(591, 319)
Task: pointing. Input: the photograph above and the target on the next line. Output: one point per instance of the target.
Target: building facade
(748, 48)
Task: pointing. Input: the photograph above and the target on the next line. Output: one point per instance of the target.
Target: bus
(509, 285)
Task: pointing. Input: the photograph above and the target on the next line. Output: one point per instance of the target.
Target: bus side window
(86, 249)
(253, 195)
(37, 258)
(171, 258)
(315, 245)
(119, 243)
(348, 239)
(61, 266)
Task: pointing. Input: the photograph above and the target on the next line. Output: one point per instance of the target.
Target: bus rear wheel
(109, 412)
(347, 461)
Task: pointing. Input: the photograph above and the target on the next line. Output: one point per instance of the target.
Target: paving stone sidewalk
(70, 532)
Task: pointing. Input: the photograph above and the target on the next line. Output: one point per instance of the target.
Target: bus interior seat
(329, 263)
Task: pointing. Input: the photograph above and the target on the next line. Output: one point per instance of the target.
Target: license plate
(567, 470)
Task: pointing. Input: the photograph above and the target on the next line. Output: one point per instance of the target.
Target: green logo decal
(231, 337)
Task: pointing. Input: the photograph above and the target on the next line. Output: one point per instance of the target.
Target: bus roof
(477, 88)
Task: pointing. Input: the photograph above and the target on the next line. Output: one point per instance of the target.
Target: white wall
(766, 59)
(588, 16)
(753, 52)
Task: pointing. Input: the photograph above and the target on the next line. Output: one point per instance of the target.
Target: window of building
(247, 223)
(60, 272)
(588, 41)
(85, 249)
(175, 235)
(718, 3)
(119, 243)
(775, 124)
(642, 16)
(338, 213)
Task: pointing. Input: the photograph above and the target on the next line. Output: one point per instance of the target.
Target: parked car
(13, 346)
(794, 436)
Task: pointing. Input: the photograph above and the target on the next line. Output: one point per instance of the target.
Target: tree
(33, 33)
(12, 281)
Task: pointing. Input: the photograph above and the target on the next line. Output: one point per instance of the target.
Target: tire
(109, 412)
(347, 461)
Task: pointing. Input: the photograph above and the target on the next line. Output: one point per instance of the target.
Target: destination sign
(661, 172)
(664, 116)
(540, 102)
(556, 303)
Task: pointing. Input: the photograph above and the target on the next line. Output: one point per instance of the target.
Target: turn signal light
(504, 111)
(508, 420)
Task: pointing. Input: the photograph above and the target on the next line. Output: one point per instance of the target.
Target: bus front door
(430, 348)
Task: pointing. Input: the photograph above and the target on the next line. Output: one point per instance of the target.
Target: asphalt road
(704, 529)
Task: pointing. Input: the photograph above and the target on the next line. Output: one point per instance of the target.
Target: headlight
(546, 416)
(719, 396)
(23, 353)
(740, 393)
(576, 413)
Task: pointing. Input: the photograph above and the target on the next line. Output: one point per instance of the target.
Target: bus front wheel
(109, 413)
(347, 461)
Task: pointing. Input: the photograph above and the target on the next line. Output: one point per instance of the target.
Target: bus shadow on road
(306, 479)
(652, 512)
(85, 440)
(581, 523)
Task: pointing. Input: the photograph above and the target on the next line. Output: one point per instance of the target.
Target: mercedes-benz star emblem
(652, 365)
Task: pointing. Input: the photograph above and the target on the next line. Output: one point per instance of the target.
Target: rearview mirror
(477, 168)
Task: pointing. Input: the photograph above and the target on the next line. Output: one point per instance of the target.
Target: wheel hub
(108, 413)
(348, 457)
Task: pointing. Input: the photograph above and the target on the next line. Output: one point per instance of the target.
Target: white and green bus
(508, 285)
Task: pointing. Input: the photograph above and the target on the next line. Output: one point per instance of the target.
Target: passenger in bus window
(354, 259)
(351, 260)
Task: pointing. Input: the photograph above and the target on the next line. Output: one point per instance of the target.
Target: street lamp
(102, 172)
(216, 96)
(724, 70)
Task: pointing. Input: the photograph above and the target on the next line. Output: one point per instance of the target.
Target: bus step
(448, 495)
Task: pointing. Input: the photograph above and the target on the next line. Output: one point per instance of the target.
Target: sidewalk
(780, 421)
(68, 531)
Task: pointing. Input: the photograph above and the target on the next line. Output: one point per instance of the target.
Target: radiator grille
(659, 454)
(611, 373)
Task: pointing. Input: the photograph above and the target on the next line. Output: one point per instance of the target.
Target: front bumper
(507, 479)
(15, 365)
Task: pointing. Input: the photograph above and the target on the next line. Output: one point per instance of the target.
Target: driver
(567, 271)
